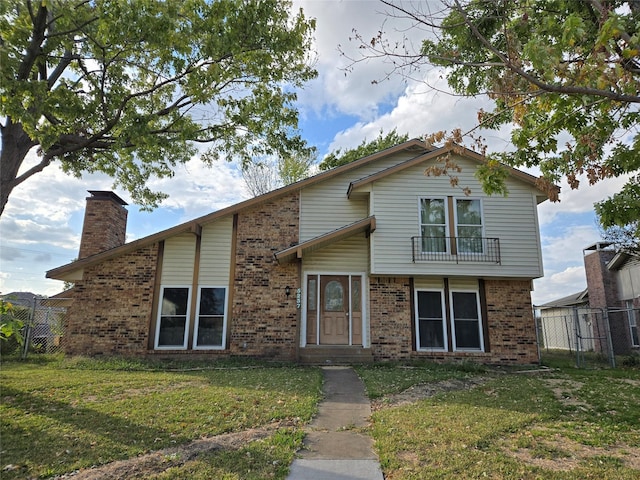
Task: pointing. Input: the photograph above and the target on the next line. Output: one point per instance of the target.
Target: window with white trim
(172, 326)
(434, 324)
(209, 332)
(433, 225)
(465, 320)
(469, 231)
(430, 320)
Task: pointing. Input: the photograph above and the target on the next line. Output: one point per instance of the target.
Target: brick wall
(105, 223)
(263, 320)
(512, 333)
(600, 281)
(390, 314)
(112, 308)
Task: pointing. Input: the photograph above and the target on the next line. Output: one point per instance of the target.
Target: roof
(420, 148)
(297, 251)
(621, 258)
(579, 298)
(527, 178)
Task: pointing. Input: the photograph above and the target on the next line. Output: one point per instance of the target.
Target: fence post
(27, 336)
(607, 331)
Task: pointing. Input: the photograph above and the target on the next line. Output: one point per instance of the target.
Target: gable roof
(579, 298)
(430, 155)
(421, 150)
(621, 259)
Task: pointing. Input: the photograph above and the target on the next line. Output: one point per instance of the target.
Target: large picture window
(173, 318)
(210, 324)
(434, 324)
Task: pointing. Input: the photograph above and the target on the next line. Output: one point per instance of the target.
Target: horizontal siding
(428, 283)
(463, 284)
(349, 255)
(178, 259)
(325, 206)
(215, 252)
(512, 219)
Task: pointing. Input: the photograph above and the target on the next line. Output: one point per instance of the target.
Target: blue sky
(41, 225)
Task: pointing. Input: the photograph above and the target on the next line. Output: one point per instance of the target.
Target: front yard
(558, 424)
(244, 421)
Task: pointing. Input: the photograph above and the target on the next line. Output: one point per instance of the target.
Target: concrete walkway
(332, 450)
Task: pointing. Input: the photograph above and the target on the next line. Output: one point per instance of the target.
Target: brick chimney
(105, 223)
(600, 281)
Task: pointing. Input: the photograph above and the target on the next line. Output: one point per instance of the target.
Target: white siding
(348, 255)
(178, 260)
(395, 204)
(628, 280)
(325, 206)
(215, 252)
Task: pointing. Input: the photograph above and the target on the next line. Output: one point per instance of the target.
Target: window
(172, 326)
(469, 226)
(433, 225)
(459, 329)
(633, 323)
(432, 334)
(465, 315)
(210, 324)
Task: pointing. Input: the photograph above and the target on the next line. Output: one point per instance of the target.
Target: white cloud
(559, 285)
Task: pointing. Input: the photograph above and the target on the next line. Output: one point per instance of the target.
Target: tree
(340, 157)
(624, 238)
(563, 73)
(132, 88)
(262, 176)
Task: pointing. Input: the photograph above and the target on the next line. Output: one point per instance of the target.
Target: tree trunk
(15, 146)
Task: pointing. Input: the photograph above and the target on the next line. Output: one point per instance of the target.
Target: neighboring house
(372, 260)
(611, 302)
(563, 319)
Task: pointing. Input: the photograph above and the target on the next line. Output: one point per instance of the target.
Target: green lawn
(60, 416)
(563, 424)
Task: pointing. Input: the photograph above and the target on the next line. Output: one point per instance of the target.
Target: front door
(334, 310)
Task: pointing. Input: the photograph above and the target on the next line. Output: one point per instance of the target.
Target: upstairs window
(469, 226)
(433, 225)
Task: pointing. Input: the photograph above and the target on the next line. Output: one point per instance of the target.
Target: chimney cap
(105, 195)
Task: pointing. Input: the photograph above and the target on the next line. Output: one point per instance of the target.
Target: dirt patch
(420, 392)
(161, 460)
(566, 391)
(560, 453)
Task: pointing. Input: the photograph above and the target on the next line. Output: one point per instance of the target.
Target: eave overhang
(288, 255)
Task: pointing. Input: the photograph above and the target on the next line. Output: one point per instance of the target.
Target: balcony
(456, 249)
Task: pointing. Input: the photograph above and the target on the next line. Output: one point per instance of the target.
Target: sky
(42, 222)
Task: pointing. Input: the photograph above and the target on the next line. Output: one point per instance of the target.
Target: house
(608, 307)
(370, 261)
(558, 322)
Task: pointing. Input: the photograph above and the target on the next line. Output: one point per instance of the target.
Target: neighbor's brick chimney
(105, 223)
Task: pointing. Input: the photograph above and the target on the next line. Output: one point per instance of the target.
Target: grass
(80, 413)
(564, 424)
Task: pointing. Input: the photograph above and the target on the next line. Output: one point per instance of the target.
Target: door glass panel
(311, 294)
(333, 296)
(356, 295)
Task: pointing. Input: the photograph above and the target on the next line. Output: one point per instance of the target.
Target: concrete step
(335, 355)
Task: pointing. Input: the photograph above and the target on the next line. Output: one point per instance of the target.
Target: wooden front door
(334, 310)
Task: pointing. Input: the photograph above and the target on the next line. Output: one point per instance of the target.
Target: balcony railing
(456, 249)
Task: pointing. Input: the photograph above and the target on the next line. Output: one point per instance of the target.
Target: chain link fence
(43, 326)
(592, 337)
